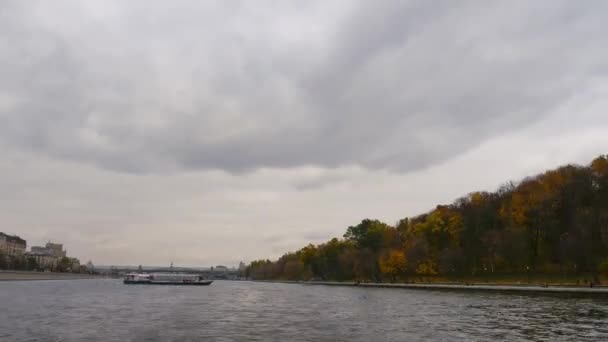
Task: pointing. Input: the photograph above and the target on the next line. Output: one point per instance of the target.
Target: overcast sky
(209, 132)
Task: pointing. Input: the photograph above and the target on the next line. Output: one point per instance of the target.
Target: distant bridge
(208, 273)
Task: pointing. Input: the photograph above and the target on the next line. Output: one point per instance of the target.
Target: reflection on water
(107, 310)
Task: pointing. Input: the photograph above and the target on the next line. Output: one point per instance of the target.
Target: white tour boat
(165, 279)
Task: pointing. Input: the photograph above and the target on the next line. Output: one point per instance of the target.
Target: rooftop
(36, 253)
(13, 238)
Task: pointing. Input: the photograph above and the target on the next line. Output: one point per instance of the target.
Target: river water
(107, 310)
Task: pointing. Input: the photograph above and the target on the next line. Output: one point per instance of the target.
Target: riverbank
(601, 290)
(28, 275)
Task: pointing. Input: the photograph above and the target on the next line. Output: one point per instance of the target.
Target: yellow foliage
(427, 268)
(393, 263)
(600, 166)
(477, 198)
(603, 268)
(442, 220)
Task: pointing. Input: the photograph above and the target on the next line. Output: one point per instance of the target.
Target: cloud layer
(152, 86)
(210, 132)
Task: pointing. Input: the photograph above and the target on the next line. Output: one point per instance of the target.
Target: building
(90, 267)
(49, 256)
(74, 265)
(12, 245)
(52, 249)
(56, 249)
(39, 249)
(43, 259)
(220, 269)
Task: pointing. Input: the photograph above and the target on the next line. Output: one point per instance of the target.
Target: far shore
(571, 289)
(30, 275)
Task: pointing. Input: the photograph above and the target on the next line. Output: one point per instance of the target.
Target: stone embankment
(467, 287)
(25, 275)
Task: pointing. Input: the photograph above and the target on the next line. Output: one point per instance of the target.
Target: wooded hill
(555, 222)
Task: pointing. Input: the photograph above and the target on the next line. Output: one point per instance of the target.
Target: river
(107, 310)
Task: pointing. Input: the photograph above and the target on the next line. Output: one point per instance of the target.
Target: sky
(212, 132)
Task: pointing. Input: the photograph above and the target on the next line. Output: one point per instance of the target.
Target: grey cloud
(149, 86)
(316, 237)
(305, 182)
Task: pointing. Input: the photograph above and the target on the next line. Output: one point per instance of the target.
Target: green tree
(3, 261)
(367, 234)
(31, 263)
(64, 264)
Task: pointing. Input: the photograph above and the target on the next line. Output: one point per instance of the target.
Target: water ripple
(107, 310)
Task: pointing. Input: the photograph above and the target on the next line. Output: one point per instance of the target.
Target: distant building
(49, 256)
(43, 259)
(89, 268)
(12, 245)
(38, 249)
(75, 265)
(56, 249)
(52, 249)
(219, 272)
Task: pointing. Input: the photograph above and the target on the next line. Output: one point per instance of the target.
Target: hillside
(555, 223)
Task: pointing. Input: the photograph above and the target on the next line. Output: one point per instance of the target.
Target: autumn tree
(393, 264)
(553, 222)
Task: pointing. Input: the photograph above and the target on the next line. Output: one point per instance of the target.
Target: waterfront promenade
(27, 275)
(601, 290)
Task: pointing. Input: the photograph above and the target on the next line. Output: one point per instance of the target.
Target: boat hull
(181, 283)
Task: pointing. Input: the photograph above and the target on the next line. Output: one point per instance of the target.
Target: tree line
(29, 263)
(20, 263)
(553, 223)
